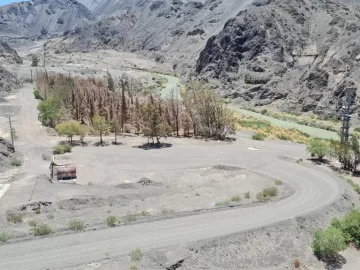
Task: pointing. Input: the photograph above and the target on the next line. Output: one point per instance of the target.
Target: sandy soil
(133, 184)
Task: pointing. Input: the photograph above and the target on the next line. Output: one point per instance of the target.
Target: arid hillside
(285, 54)
(42, 18)
(295, 57)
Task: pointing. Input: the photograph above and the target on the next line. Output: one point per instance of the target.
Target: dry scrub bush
(4, 237)
(76, 225)
(136, 255)
(15, 218)
(42, 229)
(111, 221)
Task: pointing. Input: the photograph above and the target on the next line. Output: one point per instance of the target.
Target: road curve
(315, 189)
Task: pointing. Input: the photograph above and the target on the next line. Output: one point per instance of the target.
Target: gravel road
(314, 189)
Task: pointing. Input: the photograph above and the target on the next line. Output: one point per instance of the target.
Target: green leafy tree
(83, 130)
(155, 126)
(115, 127)
(318, 148)
(49, 111)
(34, 60)
(100, 126)
(347, 153)
(70, 129)
(350, 226)
(328, 243)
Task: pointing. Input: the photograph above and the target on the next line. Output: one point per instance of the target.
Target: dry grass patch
(15, 218)
(76, 225)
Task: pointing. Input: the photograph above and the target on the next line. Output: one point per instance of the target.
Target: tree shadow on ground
(116, 143)
(317, 161)
(101, 144)
(149, 146)
(335, 262)
(74, 143)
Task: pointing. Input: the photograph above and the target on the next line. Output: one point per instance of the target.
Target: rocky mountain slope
(42, 17)
(6, 152)
(292, 55)
(295, 55)
(8, 55)
(171, 31)
(7, 81)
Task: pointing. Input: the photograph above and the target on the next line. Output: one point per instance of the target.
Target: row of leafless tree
(199, 110)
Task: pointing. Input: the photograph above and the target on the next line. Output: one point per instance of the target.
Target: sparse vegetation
(100, 126)
(50, 111)
(32, 223)
(16, 162)
(348, 154)
(258, 137)
(167, 211)
(50, 216)
(133, 267)
(318, 148)
(111, 221)
(355, 186)
(129, 217)
(247, 195)
(199, 111)
(328, 243)
(76, 225)
(350, 226)
(263, 129)
(5, 236)
(222, 203)
(15, 218)
(136, 255)
(42, 229)
(278, 182)
(69, 129)
(236, 198)
(145, 213)
(62, 149)
(34, 60)
(37, 94)
(312, 120)
(267, 194)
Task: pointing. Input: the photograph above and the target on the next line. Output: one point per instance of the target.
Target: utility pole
(12, 133)
(44, 55)
(346, 117)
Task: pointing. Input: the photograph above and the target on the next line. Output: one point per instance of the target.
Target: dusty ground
(119, 180)
(188, 178)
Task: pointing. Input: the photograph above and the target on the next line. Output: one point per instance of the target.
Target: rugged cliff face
(7, 81)
(290, 54)
(42, 17)
(295, 55)
(8, 55)
(171, 31)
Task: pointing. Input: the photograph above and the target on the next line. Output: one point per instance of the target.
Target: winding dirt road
(314, 190)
